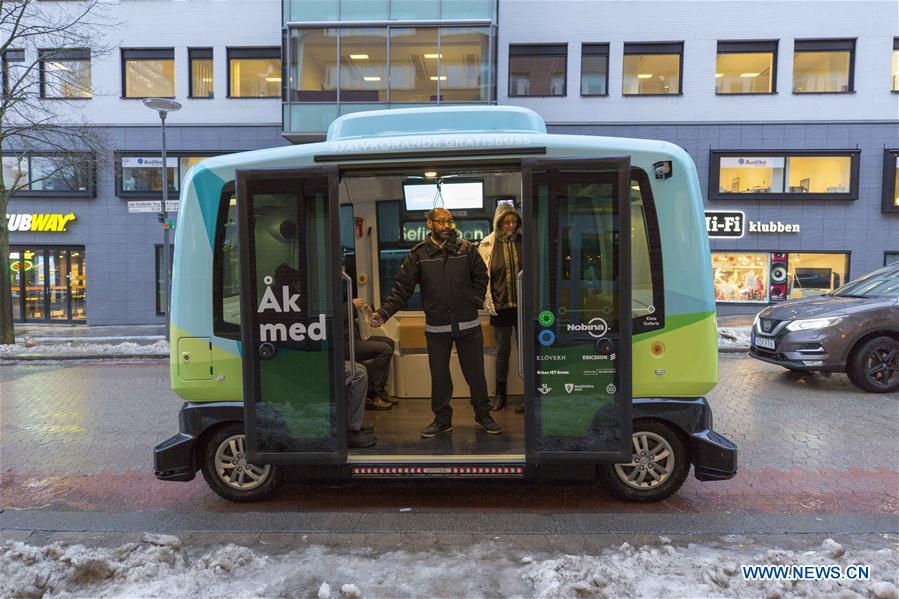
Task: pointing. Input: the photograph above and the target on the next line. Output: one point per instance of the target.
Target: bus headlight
(808, 324)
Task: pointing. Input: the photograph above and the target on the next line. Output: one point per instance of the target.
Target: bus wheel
(657, 470)
(227, 472)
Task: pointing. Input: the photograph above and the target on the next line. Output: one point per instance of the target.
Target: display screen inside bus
(460, 195)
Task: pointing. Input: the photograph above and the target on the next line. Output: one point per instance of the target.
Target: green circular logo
(546, 318)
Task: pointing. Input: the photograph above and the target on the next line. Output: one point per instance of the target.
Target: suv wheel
(657, 470)
(227, 472)
(875, 365)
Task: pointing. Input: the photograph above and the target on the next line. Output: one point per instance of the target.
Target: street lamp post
(163, 107)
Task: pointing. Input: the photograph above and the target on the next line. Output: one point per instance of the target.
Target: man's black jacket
(453, 282)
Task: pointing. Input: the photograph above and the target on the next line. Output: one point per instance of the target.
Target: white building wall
(181, 25)
(700, 25)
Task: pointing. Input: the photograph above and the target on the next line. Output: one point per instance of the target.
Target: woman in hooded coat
(501, 251)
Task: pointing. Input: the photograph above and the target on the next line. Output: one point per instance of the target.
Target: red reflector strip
(437, 470)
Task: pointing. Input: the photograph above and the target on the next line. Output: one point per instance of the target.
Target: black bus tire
(650, 434)
(223, 458)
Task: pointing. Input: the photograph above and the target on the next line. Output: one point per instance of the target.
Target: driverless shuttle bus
(616, 337)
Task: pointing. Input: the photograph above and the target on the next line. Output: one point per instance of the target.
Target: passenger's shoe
(383, 396)
(489, 424)
(434, 429)
(360, 440)
(519, 409)
(499, 399)
(377, 405)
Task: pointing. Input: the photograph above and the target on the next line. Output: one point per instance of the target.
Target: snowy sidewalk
(293, 565)
(101, 343)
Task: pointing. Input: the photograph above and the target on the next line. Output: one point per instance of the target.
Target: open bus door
(575, 327)
(292, 316)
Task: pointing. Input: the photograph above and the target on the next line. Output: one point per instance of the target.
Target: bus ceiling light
(749, 74)
(663, 169)
(430, 174)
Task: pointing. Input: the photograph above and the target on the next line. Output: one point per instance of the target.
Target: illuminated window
(746, 67)
(254, 72)
(810, 274)
(200, 66)
(652, 69)
(538, 70)
(890, 181)
(49, 174)
(895, 69)
(823, 66)
(741, 277)
(148, 73)
(141, 174)
(594, 69)
(800, 175)
(413, 65)
(65, 73)
(363, 65)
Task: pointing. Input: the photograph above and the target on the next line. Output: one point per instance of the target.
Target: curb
(69, 357)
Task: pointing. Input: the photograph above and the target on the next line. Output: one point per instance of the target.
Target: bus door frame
(528, 317)
(250, 355)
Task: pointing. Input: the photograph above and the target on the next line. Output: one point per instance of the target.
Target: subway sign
(39, 223)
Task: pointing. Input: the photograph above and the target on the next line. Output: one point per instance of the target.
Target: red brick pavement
(765, 490)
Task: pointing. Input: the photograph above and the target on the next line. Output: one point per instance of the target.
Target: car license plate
(765, 343)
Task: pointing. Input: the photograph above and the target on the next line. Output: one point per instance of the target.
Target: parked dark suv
(853, 329)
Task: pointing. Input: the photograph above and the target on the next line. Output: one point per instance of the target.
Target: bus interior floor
(399, 430)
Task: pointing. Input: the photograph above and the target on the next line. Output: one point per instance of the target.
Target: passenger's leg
(470, 348)
(503, 336)
(439, 349)
(380, 366)
(355, 398)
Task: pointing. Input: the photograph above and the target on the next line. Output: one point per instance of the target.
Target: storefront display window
(48, 284)
(810, 274)
(740, 277)
(801, 175)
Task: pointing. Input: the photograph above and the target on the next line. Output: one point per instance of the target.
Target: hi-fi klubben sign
(733, 225)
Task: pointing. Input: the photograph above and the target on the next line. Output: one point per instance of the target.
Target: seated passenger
(377, 351)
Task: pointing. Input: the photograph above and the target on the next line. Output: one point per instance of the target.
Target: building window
(594, 69)
(823, 66)
(141, 174)
(48, 283)
(254, 72)
(538, 70)
(200, 72)
(890, 258)
(760, 277)
(49, 174)
(414, 65)
(363, 65)
(814, 174)
(895, 69)
(11, 70)
(65, 73)
(746, 67)
(653, 69)
(891, 181)
(148, 73)
(160, 273)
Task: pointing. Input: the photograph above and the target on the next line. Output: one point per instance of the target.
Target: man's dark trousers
(380, 351)
(470, 349)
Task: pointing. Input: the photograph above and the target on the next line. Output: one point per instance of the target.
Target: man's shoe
(489, 424)
(499, 402)
(367, 429)
(383, 396)
(360, 440)
(434, 429)
(377, 405)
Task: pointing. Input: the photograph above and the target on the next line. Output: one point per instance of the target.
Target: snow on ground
(160, 348)
(159, 566)
(734, 337)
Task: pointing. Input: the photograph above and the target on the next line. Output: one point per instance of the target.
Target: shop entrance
(48, 283)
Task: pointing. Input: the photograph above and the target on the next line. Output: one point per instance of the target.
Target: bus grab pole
(519, 285)
(351, 333)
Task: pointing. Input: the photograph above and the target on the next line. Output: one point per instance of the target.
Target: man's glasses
(443, 221)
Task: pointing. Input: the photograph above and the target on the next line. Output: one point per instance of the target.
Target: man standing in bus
(453, 280)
